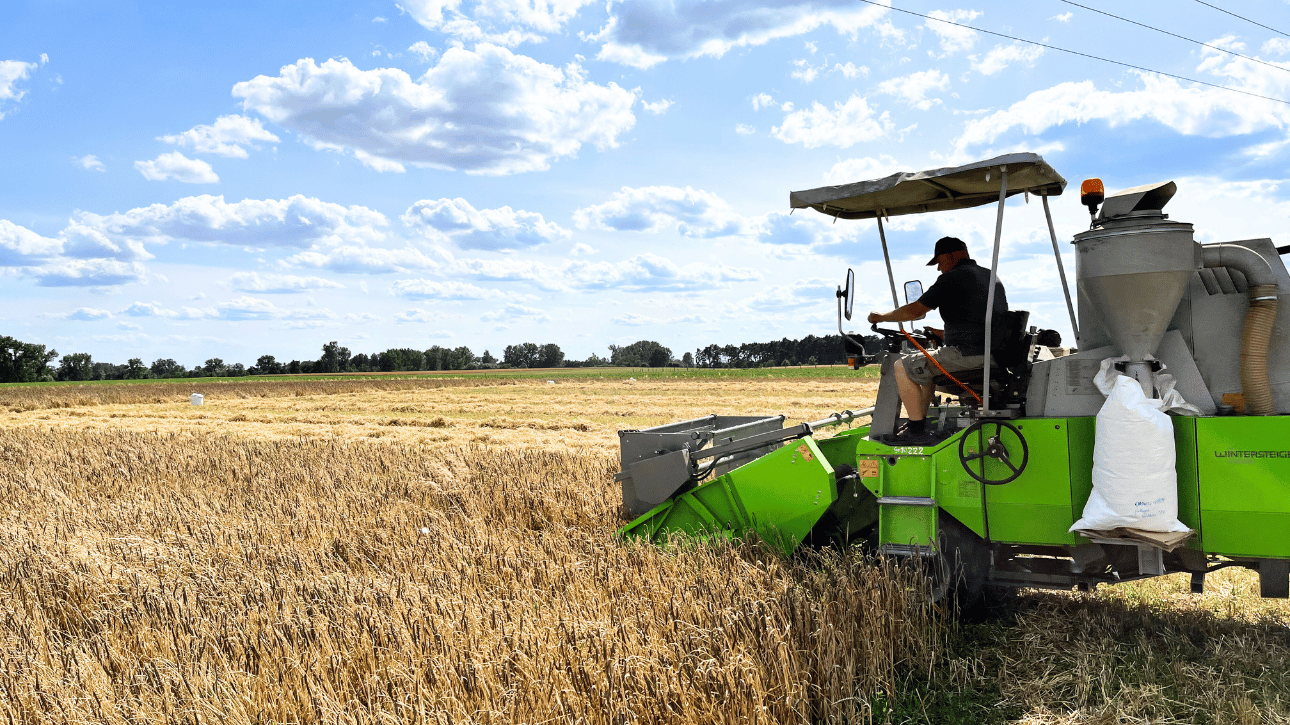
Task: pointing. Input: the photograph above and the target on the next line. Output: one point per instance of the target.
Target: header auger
(1013, 453)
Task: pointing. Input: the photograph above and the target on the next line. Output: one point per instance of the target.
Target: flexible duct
(1256, 333)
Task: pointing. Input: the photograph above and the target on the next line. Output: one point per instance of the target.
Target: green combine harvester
(991, 495)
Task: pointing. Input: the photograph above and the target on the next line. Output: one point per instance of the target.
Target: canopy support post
(989, 302)
(1061, 270)
(891, 278)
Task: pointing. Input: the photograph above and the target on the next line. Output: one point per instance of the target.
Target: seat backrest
(1013, 346)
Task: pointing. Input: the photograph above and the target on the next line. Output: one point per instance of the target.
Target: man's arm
(913, 311)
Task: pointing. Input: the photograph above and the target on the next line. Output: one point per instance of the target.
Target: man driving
(961, 294)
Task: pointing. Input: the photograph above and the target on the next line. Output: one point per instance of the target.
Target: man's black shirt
(961, 295)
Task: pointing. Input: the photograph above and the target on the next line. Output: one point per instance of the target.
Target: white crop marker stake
(197, 399)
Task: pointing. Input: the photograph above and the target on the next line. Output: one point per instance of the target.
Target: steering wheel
(993, 445)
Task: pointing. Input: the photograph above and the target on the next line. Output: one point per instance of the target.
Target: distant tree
(22, 362)
(166, 368)
(335, 358)
(687, 360)
(523, 355)
(76, 366)
(293, 367)
(644, 353)
(550, 356)
(811, 360)
(237, 370)
(135, 369)
(360, 363)
(266, 365)
(214, 367)
(401, 360)
(487, 358)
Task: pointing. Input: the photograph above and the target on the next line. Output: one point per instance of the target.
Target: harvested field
(329, 552)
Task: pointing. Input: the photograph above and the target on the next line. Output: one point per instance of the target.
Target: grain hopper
(992, 496)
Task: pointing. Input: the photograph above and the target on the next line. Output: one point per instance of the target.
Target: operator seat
(1010, 373)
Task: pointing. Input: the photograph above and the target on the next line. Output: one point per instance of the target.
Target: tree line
(22, 362)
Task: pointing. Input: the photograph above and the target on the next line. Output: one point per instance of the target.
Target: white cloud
(20, 246)
(1276, 46)
(424, 51)
(913, 88)
(642, 273)
(1187, 109)
(581, 249)
(417, 315)
(1002, 56)
(495, 230)
(425, 289)
(279, 283)
(175, 165)
(297, 221)
(12, 71)
(632, 319)
(148, 309)
(690, 212)
(804, 71)
(87, 314)
(657, 107)
(486, 111)
(379, 19)
(844, 126)
(851, 70)
(238, 310)
(228, 136)
(89, 273)
(84, 242)
(365, 260)
(762, 99)
(641, 33)
(89, 162)
(862, 169)
(953, 39)
(514, 311)
(1062, 17)
(780, 298)
(744, 129)
(504, 17)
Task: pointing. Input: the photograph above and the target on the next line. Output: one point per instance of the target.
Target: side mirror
(848, 295)
(913, 290)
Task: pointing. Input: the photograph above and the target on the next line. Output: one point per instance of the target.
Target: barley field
(442, 550)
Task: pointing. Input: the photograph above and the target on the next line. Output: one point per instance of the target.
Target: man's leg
(915, 397)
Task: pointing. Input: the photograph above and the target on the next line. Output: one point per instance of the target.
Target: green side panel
(1036, 507)
(1243, 463)
(1188, 478)
(841, 448)
(907, 525)
(1080, 435)
(957, 492)
(780, 496)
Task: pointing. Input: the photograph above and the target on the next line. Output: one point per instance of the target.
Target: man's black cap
(945, 245)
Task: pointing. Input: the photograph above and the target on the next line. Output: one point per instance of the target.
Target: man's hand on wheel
(876, 317)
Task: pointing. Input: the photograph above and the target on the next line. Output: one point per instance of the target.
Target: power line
(1180, 37)
(1242, 17)
(1076, 52)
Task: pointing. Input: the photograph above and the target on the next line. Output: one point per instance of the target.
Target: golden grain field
(443, 550)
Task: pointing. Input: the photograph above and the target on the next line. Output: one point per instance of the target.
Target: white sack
(1135, 482)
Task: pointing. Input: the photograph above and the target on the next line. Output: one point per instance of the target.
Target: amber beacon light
(1091, 195)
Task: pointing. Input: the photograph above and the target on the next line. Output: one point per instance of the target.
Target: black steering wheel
(997, 446)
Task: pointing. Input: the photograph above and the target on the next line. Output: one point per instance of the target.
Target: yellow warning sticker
(867, 467)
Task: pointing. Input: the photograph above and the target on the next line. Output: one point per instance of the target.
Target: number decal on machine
(908, 450)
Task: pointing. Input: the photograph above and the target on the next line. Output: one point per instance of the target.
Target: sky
(197, 180)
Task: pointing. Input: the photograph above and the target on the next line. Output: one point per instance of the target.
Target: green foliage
(22, 362)
(523, 355)
(77, 366)
(166, 368)
(644, 353)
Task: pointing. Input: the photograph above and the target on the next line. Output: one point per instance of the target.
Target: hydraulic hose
(1256, 333)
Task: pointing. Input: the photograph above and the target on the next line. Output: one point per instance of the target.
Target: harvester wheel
(998, 441)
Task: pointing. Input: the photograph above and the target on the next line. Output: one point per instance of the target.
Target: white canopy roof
(958, 187)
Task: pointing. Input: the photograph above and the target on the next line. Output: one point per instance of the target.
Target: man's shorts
(921, 370)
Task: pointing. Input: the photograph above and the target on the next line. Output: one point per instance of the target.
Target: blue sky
(238, 179)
